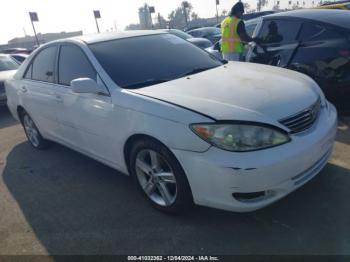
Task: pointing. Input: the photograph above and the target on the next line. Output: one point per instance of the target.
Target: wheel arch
(20, 111)
(133, 139)
(137, 137)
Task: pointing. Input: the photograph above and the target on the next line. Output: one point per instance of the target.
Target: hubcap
(156, 177)
(31, 131)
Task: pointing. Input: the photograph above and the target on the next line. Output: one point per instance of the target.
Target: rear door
(278, 42)
(36, 90)
(324, 55)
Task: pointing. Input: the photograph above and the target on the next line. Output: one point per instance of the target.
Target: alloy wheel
(31, 131)
(156, 177)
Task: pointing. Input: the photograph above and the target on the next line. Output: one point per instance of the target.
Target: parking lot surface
(58, 201)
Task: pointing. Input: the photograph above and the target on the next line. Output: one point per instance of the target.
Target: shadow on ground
(343, 132)
(6, 120)
(77, 206)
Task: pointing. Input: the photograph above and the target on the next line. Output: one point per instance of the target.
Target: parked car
(200, 42)
(19, 58)
(15, 50)
(250, 26)
(7, 69)
(345, 5)
(213, 34)
(315, 42)
(186, 126)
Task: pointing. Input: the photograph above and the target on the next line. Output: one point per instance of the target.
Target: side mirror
(86, 85)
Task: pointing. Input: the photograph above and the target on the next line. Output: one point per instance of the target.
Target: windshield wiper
(196, 70)
(151, 82)
(148, 82)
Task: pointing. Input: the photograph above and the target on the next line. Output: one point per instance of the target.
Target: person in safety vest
(234, 34)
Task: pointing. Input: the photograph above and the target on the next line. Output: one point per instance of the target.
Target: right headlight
(241, 137)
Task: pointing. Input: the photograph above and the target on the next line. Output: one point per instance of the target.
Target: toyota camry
(188, 128)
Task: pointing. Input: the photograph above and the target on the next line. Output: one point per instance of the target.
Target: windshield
(146, 60)
(180, 34)
(7, 63)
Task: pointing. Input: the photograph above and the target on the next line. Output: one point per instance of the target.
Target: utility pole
(115, 25)
(159, 21)
(97, 15)
(217, 12)
(34, 18)
(151, 10)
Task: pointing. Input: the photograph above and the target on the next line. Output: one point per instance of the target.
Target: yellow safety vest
(231, 42)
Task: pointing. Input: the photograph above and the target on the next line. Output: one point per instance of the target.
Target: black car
(311, 41)
(213, 34)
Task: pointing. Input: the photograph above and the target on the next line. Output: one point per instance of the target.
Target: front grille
(303, 120)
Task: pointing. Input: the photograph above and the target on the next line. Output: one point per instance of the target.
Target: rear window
(141, 61)
(43, 66)
(313, 32)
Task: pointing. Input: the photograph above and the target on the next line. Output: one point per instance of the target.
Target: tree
(246, 7)
(224, 13)
(194, 16)
(261, 4)
(177, 17)
(160, 22)
(276, 7)
(295, 6)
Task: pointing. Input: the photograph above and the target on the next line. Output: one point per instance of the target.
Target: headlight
(241, 137)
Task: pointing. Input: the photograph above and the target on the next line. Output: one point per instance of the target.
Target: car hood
(4, 75)
(240, 91)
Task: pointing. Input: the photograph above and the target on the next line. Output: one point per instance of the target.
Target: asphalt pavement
(59, 202)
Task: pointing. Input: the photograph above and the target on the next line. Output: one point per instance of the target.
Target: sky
(74, 15)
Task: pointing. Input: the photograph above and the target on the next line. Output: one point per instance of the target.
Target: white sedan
(185, 126)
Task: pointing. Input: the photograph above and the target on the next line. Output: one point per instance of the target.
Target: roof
(95, 38)
(339, 18)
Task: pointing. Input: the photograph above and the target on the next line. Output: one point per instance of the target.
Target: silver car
(8, 68)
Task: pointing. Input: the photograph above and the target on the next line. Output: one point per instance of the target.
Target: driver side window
(279, 31)
(73, 64)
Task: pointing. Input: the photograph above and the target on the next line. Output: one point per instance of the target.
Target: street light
(97, 15)
(34, 18)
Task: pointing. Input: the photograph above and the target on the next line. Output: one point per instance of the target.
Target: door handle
(278, 62)
(24, 89)
(59, 99)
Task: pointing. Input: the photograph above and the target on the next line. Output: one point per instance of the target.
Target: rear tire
(32, 132)
(160, 177)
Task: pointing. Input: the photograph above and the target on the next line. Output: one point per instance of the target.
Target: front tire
(32, 132)
(160, 177)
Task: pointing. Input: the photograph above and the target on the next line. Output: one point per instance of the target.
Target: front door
(86, 119)
(278, 43)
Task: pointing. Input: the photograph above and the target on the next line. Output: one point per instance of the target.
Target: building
(145, 17)
(29, 42)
